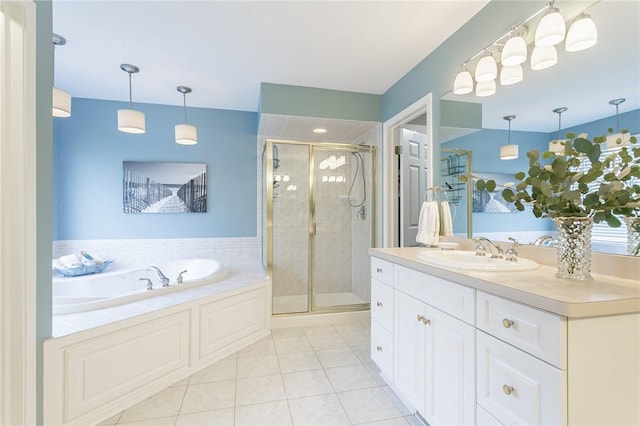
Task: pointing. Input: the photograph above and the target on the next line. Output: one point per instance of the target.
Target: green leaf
(480, 185)
(582, 145)
(559, 168)
(507, 194)
(520, 175)
(594, 154)
(613, 221)
(491, 185)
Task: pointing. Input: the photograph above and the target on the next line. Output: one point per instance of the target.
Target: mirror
(584, 82)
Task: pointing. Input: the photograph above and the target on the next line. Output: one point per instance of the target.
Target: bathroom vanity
(505, 348)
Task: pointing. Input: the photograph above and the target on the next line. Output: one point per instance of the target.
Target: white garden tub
(84, 293)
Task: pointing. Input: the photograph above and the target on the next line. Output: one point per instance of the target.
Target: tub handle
(180, 279)
(149, 283)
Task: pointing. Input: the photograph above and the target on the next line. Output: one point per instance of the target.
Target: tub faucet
(481, 249)
(180, 280)
(163, 278)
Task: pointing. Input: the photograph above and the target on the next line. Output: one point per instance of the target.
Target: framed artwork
(492, 202)
(154, 187)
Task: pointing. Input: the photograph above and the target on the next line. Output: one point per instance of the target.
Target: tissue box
(80, 270)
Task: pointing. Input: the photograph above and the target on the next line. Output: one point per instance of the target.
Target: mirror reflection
(582, 82)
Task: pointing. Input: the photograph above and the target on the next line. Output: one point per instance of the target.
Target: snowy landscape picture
(152, 187)
(492, 202)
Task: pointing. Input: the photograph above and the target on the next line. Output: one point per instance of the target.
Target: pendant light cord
(184, 102)
(130, 97)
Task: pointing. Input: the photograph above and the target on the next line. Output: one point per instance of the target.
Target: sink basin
(468, 261)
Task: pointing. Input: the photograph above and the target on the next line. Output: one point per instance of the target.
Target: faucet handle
(149, 283)
(481, 250)
(512, 254)
(514, 242)
(179, 280)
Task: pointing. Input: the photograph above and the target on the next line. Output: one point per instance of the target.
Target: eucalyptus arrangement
(557, 184)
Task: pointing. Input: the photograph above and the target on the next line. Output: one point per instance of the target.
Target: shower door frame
(268, 185)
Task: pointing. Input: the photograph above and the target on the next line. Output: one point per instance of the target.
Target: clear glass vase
(574, 247)
(633, 235)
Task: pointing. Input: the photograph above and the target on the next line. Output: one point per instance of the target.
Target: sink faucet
(163, 279)
(512, 254)
(543, 240)
(481, 248)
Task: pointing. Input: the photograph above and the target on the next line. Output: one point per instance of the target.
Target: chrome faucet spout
(163, 278)
(481, 248)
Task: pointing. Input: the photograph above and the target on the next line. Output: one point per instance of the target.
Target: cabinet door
(450, 370)
(382, 350)
(408, 346)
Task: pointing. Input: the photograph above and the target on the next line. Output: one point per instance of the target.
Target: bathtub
(110, 288)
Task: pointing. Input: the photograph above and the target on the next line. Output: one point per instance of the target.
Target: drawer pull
(507, 323)
(419, 318)
(379, 348)
(507, 389)
(426, 321)
(379, 304)
(379, 270)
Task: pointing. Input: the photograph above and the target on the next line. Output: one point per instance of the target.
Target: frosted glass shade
(511, 75)
(486, 88)
(463, 83)
(582, 34)
(543, 57)
(551, 29)
(131, 121)
(514, 52)
(557, 146)
(487, 69)
(618, 139)
(186, 134)
(509, 152)
(61, 103)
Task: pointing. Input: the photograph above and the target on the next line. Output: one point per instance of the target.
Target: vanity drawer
(517, 388)
(454, 299)
(382, 350)
(485, 419)
(382, 270)
(540, 333)
(382, 304)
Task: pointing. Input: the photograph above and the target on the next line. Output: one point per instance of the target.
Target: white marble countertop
(604, 295)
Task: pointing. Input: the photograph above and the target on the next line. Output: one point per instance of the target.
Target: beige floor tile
(306, 383)
(209, 396)
(374, 371)
(256, 390)
(161, 421)
(351, 327)
(163, 404)
(270, 413)
(350, 377)
(337, 357)
(298, 361)
(357, 337)
(281, 333)
(262, 347)
(259, 366)
(327, 340)
(222, 417)
(219, 372)
(319, 329)
(362, 352)
(183, 382)
(322, 410)
(111, 421)
(292, 344)
(368, 405)
(399, 421)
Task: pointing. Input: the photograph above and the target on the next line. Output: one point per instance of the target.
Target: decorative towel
(429, 224)
(446, 223)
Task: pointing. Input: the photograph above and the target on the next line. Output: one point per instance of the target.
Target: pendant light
(60, 100)
(617, 139)
(510, 75)
(551, 28)
(130, 120)
(582, 34)
(543, 57)
(515, 49)
(557, 145)
(485, 88)
(509, 151)
(487, 69)
(186, 134)
(463, 82)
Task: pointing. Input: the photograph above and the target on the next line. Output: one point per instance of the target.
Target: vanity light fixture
(515, 49)
(60, 100)
(543, 57)
(130, 120)
(551, 28)
(485, 88)
(557, 145)
(487, 69)
(509, 151)
(617, 139)
(319, 130)
(186, 134)
(510, 75)
(463, 82)
(582, 34)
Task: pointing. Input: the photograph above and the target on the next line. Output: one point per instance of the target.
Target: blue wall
(88, 156)
(629, 120)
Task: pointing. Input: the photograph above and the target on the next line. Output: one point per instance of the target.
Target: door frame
(391, 216)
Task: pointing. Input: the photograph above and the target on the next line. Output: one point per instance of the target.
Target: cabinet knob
(379, 348)
(507, 323)
(507, 389)
(426, 321)
(379, 270)
(419, 318)
(379, 304)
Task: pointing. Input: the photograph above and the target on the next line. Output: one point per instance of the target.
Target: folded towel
(429, 224)
(446, 223)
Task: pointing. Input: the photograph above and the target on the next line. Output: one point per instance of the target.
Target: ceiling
(223, 50)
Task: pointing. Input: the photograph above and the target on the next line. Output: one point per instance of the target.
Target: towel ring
(435, 190)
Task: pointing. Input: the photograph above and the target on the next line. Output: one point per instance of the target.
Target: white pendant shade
(618, 139)
(543, 57)
(463, 83)
(509, 152)
(510, 75)
(131, 121)
(557, 146)
(61, 103)
(186, 134)
(485, 88)
(582, 34)
(551, 29)
(514, 52)
(487, 69)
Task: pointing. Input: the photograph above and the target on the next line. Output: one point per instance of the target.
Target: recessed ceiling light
(319, 130)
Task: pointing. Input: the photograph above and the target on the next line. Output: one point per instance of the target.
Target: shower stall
(319, 203)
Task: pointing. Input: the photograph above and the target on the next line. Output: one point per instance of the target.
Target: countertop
(604, 295)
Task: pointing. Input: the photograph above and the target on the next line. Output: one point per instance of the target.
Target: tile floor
(297, 376)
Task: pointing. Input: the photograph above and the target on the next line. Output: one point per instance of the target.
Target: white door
(450, 370)
(414, 165)
(408, 347)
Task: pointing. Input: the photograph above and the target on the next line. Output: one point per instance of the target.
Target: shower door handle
(313, 228)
